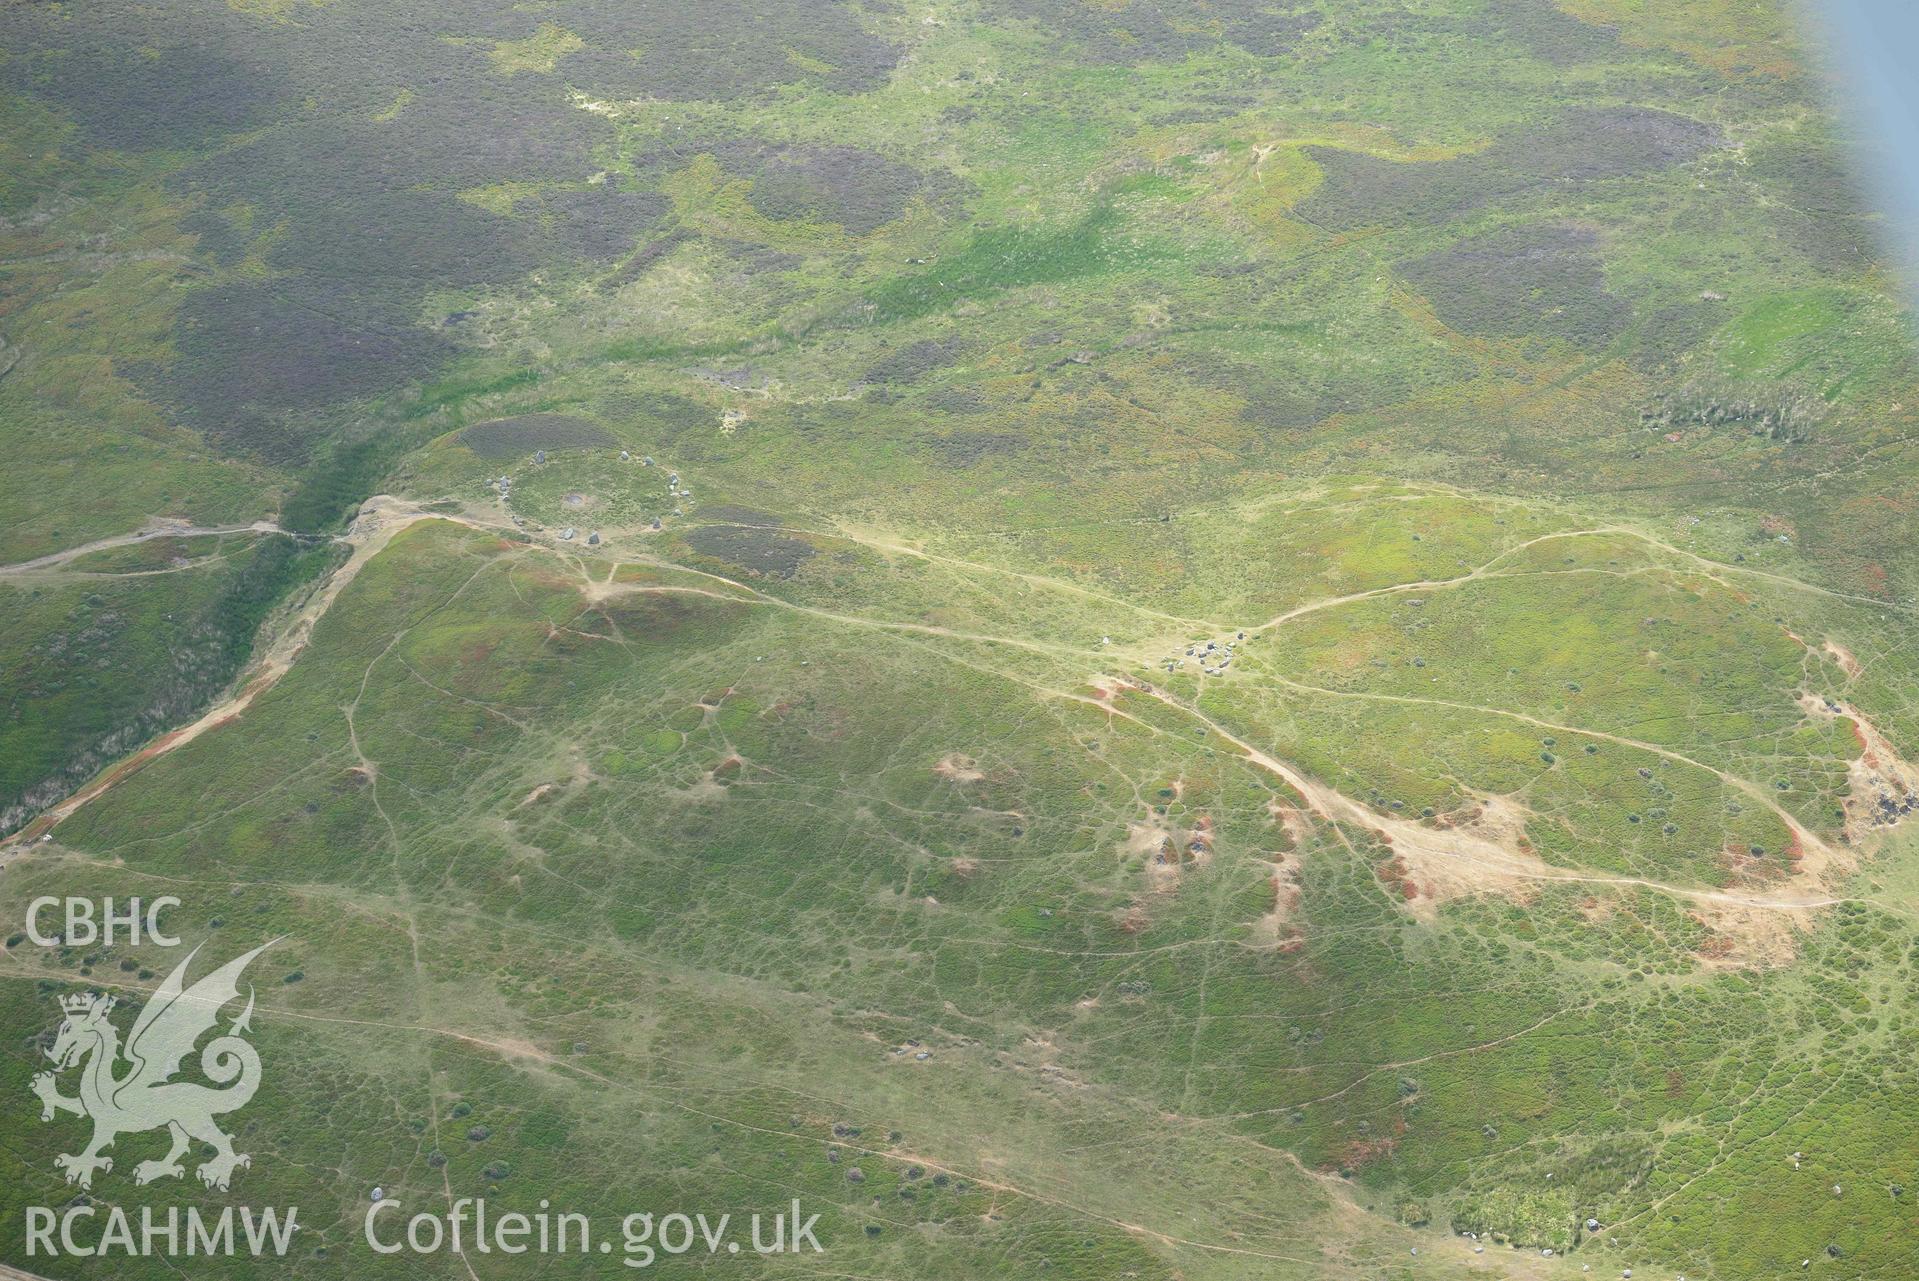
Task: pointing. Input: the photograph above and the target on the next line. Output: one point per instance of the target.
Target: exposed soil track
(1483, 855)
(380, 519)
(1483, 851)
(145, 534)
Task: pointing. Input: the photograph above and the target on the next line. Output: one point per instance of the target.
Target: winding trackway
(146, 533)
(382, 517)
(1750, 789)
(521, 1050)
(1464, 846)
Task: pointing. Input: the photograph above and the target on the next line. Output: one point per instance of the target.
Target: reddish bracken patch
(1795, 849)
(1395, 875)
(1360, 1152)
(1716, 948)
(1285, 895)
(1743, 863)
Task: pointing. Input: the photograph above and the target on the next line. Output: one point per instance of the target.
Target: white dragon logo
(145, 1098)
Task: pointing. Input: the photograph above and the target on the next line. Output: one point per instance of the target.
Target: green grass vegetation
(851, 807)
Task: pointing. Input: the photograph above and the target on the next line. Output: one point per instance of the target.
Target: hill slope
(1156, 640)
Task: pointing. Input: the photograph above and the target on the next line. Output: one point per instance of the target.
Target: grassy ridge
(1521, 380)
